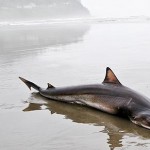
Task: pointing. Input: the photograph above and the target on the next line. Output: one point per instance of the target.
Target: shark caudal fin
(30, 84)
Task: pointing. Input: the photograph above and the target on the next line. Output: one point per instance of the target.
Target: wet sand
(70, 54)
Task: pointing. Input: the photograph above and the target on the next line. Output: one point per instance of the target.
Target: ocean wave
(39, 22)
(132, 19)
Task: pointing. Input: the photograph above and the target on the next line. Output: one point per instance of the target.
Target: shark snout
(142, 119)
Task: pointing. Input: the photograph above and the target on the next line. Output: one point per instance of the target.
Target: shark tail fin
(30, 84)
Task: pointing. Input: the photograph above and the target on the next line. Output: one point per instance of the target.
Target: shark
(111, 96)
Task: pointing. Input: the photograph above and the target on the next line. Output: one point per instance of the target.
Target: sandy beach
(70, 54)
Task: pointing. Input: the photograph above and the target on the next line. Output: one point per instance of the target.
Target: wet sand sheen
(70, 55)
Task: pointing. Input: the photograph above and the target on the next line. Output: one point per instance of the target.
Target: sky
(117, 8)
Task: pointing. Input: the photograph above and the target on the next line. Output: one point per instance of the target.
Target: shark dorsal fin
(50, 86)
(111, 77)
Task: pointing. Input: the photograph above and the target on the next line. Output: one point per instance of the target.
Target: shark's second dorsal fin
(111, 77)
(50, 86)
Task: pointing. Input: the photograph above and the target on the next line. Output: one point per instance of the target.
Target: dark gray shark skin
(115, 127)
(110, 96)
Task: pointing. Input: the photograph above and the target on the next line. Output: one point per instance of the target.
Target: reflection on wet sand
(115, 127)
(21, 41)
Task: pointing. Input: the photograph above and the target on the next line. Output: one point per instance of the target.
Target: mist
(118, 8)
(27, 10)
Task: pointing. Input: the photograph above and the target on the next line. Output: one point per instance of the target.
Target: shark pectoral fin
(50, 86)
(111, 77)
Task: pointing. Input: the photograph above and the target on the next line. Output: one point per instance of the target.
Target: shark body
(110, 96)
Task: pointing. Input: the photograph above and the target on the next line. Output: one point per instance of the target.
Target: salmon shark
(110, 96)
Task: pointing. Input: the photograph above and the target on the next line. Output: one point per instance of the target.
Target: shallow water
(70, 54)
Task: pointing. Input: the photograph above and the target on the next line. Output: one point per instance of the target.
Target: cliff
(41, 9)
